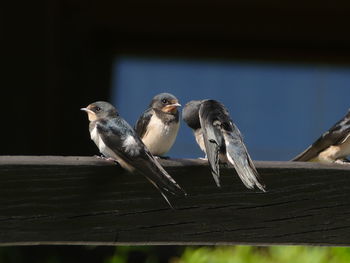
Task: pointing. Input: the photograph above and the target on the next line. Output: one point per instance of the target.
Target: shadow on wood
(83, 200)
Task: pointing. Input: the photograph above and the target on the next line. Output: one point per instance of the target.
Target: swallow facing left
(332, 147)
(116, 139)
(221, 140)
(159, 124)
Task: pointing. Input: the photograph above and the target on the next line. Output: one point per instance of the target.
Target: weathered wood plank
(83, 200)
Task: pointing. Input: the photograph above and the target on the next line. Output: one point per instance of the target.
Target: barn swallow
(221, 140)
(159, 124)
(332, 147)
(116, 139)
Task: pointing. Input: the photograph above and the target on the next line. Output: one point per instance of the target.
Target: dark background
(57, 56)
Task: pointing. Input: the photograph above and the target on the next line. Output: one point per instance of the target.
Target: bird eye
(164, 100)
(97, 109)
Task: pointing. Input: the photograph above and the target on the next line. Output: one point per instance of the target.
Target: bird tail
(160, 178)
(212, 150)
(161, 192)
(238, 156)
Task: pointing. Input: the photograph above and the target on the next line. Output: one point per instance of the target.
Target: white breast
(334, 152)
(198, 134)
(160, 137)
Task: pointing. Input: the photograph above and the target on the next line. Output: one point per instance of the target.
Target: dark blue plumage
(116, 139)
(221, 140)
(332, 146)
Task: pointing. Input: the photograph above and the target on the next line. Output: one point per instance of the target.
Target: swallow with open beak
(332, 147)
(116, 139)
(221, 140)
(159, 124)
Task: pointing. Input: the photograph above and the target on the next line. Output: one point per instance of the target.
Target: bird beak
(87, 110)
(172, 107)
(92, 115)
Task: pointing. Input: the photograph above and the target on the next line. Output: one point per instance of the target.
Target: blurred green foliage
(244, 254)
(273, 254)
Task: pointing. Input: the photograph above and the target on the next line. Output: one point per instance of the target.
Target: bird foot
(161, 157)
(105, 158)
(344, 161)
(203, 158)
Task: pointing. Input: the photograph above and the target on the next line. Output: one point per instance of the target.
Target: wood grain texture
(83, 200)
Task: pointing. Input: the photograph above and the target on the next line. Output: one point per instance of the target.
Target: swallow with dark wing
(117, 140)
(221, 140)
(332, 147)
(159, 124)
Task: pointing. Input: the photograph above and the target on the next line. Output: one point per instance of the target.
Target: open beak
(175, 105)
(172, 107)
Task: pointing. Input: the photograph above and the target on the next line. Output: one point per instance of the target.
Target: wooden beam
(83, 200)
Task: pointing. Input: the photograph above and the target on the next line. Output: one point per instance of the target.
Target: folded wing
(221, 135)
(335, 135)
(238, 156)
(213, 140)
(134, 152)
(142, 122)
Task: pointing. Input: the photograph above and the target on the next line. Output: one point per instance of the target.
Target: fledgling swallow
(159, 124)
(116, 139)
(332, 147)
(221, 140)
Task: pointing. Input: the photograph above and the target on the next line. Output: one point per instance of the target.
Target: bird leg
(342, 161)
(204, 159)
(161, 157)
(102, 157)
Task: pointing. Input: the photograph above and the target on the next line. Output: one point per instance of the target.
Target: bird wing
(212, 137)
(142, 122)
(132, 150)
(334, 136)
(238, 156)
(219, 132)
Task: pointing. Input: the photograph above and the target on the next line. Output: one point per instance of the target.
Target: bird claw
(161, 157)
(105, 158)
(345, 161)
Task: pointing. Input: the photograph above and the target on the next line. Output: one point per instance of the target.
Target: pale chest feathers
(198, 134)
(335, 152)
(160, 137)
(99, 143)
(107, 152)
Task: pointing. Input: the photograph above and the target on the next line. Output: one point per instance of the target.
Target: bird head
(165, 102)
(190, 114)
(99, 110)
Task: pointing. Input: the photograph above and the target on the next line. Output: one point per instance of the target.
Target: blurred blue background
(279, 108)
